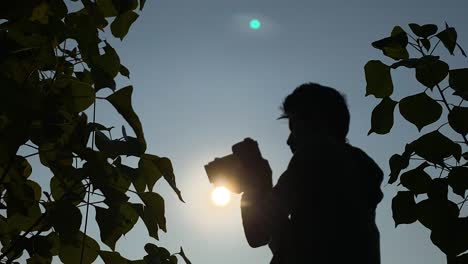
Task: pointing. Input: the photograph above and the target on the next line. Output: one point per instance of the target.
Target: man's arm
(264, 213)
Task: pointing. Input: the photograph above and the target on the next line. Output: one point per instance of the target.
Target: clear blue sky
(203, 81)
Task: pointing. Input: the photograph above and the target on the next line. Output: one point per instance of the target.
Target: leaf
(165, 166)
(107, 8)
(404, 208)
(458, 119)
(121, 100)
(424, 31)
(113, 148)
(45, 246)
(64, 210)
(417, 180)
(448, 38)
(124, 71)
(382, 117)
(115, 222)
(84, 76)
(409, 63)
(435, 214)
(182, 254)
(70, 250)
(395, 45)
(431, 73)
(426, 44)
(109, 62)
(420, 110)
(458, 180)
(153, 213)
(102, 79)
(122, 23)
(434, 147)
(458, 81)
(40, 13)
(451, 239)
(397, 163)
(148, 170)
(112, 257)
(378, 79)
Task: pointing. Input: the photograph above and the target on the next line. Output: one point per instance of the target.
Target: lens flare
(221, 196)
(255, 24)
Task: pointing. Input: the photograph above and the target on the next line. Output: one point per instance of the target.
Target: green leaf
(434, 147)
(404, 208)
(45, 246)
(148, 170)
(76, 95)
(112, 257)
(430, 73)
(420, 110)
(115, 222)
(409, 63)
(458, 119)
(448, 38)
(382, 116)
(70, 250)
(165, 165)
(121, 100)
(153, 213)
(378, 78)
(124, 71)
(113, 148)
(102, 79)
(424, 31)
(122, 23)
(107, 8)
(395, 45)
(417, 180)
(397, 163)
(458, 81)
(109, 62)
(85, 76)
(458, 180)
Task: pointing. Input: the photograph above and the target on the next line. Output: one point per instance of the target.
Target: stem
(89, 187)
(434, 47)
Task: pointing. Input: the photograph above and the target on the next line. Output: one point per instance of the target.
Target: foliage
(54, 63)
(441, 165)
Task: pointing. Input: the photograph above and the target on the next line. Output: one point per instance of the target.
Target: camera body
(244, 168)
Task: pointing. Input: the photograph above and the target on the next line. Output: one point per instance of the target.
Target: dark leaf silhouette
(404, 208)
(378, 78)
(382, 116)
(430, 72)
(395, 45)
(423, 31)
(458, 180)
(420, 110)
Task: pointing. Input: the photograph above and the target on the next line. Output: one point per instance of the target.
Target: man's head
(313, 108)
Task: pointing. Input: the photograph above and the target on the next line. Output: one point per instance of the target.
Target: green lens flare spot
(255, 24)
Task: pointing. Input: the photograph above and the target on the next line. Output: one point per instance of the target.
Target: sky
(204, 81)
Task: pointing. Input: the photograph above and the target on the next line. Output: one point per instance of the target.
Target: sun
(221, 196)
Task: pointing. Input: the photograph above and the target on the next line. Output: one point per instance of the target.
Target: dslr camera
(242, 170)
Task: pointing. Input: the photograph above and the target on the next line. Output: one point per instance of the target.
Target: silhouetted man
(322, 210)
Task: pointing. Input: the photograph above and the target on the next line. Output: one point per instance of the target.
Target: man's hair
(312, 101)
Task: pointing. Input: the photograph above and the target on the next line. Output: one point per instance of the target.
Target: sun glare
(221, 196)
